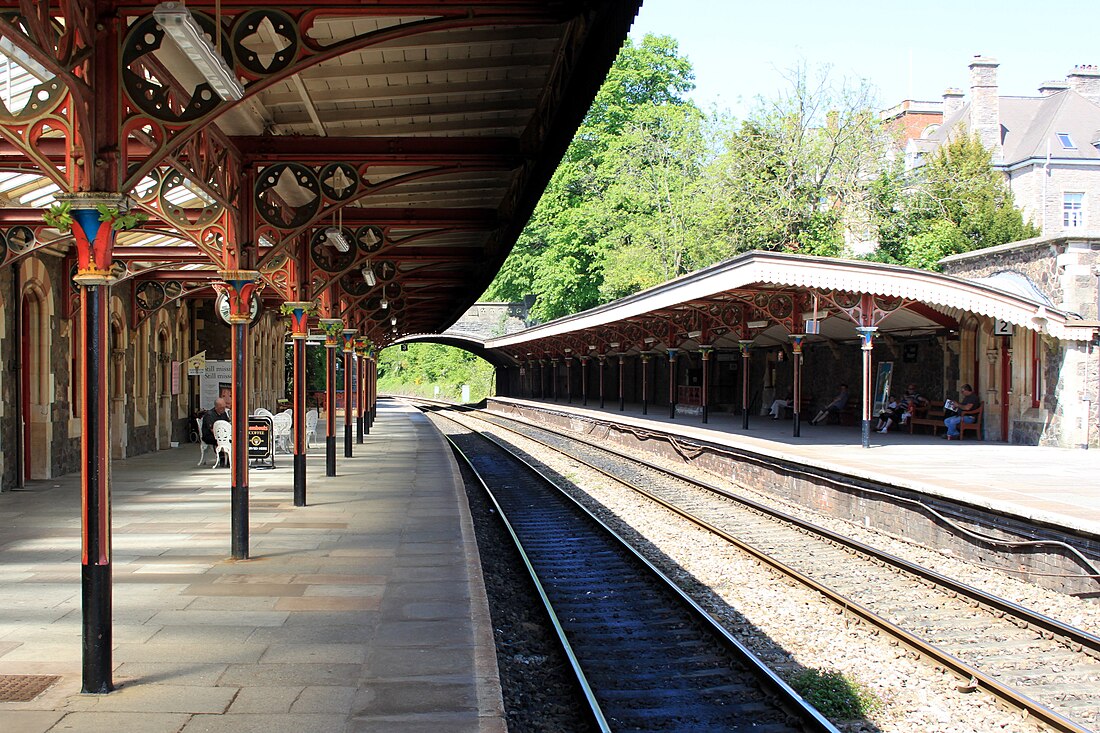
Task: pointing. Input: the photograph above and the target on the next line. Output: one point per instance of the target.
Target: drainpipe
(17, 371)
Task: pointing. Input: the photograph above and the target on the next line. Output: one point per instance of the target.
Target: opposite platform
(364, 611)
(1055, 486)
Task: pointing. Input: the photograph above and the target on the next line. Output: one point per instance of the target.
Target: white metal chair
(202, 445)
(281, 427)
(223, 434)
(311, 427)
(263, 412)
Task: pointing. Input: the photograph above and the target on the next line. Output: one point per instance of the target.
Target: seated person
(892, 412)
(834, 407)
(911, 401)
(219, 412)
(965, 410)
(779, 405)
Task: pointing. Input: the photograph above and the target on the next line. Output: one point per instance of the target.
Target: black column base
(706, 414)
(866, 427)
(745, 418)
(238, 520)
(347, 440)
(330, 455)
(672, 411)
(645, 407)
(97, 633)
(299, 479)
(359, 429)
(797, 425)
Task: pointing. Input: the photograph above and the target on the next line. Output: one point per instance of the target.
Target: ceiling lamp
(385, 304)
(368, 275)
(181, 27)
(337, 239)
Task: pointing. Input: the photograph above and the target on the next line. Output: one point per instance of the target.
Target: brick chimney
(1085, 80)
(1052, 86)
(952, 102)
(985, 106)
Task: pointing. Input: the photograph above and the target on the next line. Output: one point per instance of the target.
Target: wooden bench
(975, 426)
(931, 416)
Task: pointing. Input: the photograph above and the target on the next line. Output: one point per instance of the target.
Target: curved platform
(363, 611)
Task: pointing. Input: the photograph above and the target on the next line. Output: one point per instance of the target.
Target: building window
(1036, 369)
(1073, 210)
(1066, 140)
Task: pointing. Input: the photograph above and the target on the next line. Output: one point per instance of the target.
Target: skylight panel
(1066, 140)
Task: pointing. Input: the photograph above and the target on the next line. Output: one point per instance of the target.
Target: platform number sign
(1002, 328)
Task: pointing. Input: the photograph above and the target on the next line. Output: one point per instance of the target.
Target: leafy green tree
(955, 203)
(799, 169)
(423, 367)
(599, 213)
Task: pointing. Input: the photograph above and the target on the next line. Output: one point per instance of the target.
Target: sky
(740, 49)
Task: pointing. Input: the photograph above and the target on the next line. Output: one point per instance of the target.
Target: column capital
(796, 342)
(348, 334)
(299, 312)
(706, 351)
(92, 214)
(744, 345)
(240, 286)
(332, 328)
(867, 336)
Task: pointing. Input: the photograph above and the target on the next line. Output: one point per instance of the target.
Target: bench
(931, 416)
(975, 426)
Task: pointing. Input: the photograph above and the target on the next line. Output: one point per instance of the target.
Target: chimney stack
(952, 102)
(1085, 80)
(985, 105)
(1052, 86)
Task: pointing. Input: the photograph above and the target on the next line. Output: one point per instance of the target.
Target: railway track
(1030, 662)
(646, 656)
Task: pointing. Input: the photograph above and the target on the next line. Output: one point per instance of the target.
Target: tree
(799, 170)
(957, 202)
(600, 211)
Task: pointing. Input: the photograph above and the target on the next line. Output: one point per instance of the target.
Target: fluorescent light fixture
(337, 239)
(614, 344)
(393, 320)
(757, 324)
(385, 304)
(368, 274)
(181, 27)
(694, 334)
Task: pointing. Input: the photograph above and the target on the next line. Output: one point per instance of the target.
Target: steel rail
(1080, 639)
(791, 701)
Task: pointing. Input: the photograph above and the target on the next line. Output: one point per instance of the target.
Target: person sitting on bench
(833, 408)
(965, 410)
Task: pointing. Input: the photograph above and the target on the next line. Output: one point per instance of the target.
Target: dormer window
(1066, 140)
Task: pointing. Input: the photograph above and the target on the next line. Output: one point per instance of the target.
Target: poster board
(217, 377)
(882, 387)
(261, 442)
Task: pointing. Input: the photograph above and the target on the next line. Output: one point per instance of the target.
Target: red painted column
(645, 383)
(349, 346)
(706, 352)
(240, 286)
(745, 345)
(332, 328)
(299, 330)
(867, 336)
(796, 405)
(95, 245)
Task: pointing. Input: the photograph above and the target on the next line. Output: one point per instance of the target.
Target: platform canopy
(379, 157)
(764, 298)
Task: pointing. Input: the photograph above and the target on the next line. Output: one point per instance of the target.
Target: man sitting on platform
(965, 410)
(219, 412)
(833, 408)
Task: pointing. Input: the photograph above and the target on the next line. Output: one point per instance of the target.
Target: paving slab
(364, 610)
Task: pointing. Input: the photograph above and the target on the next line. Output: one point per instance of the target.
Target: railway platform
(363, 611)
(1052, 486)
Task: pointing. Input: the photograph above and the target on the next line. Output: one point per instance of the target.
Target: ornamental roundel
(392, 291)
(159, 97)
(354, 284)
(731, 315)
(265, 41)
(325, 255)
(3, 247)
(780, 306)
(149, 295)
(846, 300)
(369, 237)
(887, 303)
(288, 195)
(186, 217)
(173, 289)
(118, 269)
(339, 181)
(760, 300)
(44, 97)
(20, 239)
(385, 270)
